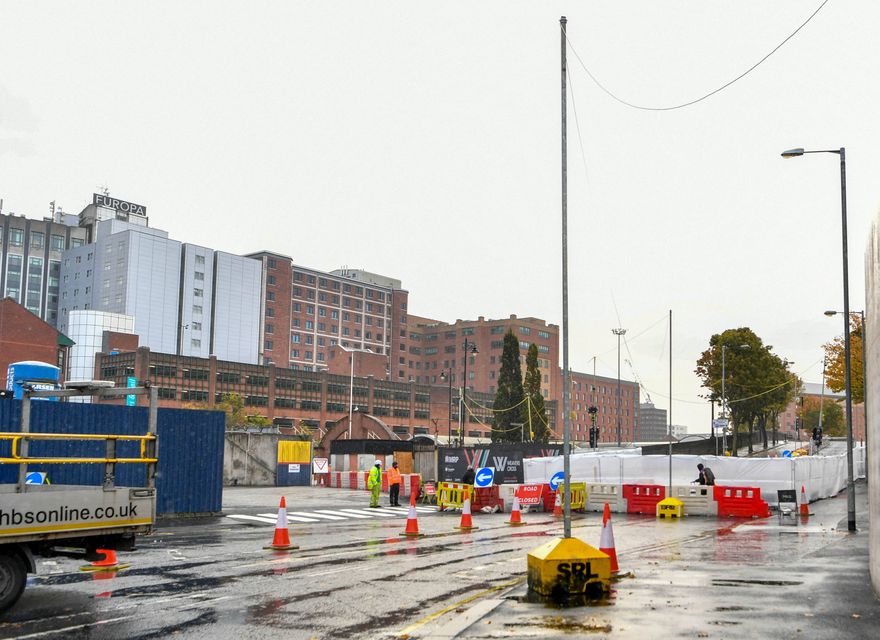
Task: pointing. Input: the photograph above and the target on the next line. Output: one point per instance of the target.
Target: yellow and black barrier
(450, 495)
(578, 495)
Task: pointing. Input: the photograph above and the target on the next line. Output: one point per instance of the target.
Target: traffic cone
(557, 508)
(107, 563)
(805, 504)
(606, 541)
(412, 522)
(281, 540)
(466, 523)
(515, 515)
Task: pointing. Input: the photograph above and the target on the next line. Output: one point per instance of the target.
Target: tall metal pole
(850, 486)
(822, 394)
(618, 332)
(461, 400)
(670, 403)
(350, 394)
(566, 374)
(449, 412)
(723, 397)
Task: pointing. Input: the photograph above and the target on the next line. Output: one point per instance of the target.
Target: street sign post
(484, 477)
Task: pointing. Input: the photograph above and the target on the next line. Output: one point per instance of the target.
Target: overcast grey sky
(421, 140)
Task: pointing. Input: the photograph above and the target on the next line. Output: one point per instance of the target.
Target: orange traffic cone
(466, 523)
(107, 563)
(412, 522)
(557, 508)
(515, 515)
(606, 541)
(281, 540)
(805, 504)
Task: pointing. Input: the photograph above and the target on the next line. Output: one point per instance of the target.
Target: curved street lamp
(850, 486)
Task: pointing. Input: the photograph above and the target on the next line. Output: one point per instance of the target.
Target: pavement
(753, 579)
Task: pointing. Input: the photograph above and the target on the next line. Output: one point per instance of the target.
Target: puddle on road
(566, 625)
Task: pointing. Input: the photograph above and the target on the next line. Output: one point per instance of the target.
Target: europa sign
(119, 205)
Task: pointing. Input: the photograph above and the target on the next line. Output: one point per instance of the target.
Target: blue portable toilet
(30, 373)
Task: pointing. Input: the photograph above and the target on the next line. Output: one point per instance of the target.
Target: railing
(16, 439)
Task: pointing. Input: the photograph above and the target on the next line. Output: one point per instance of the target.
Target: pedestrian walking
(706, 475)
(374, 484)
(394, 485)
(469, 475)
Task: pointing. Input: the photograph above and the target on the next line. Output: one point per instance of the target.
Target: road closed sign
(529, 494)
(484, 477)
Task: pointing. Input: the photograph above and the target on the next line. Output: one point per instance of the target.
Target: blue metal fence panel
(190, 471)
(293, 475)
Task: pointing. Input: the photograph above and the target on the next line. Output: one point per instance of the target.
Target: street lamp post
(469, 348)
(618, 333)
(351, 351)
(850, 486)
(445, 376)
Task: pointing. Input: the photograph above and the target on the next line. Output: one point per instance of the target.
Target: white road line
(342, 513)
(372, 512)
(290, 518)
(313, 514)
(253, 519)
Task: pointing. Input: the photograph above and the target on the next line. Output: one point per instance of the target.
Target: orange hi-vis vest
(393, 476)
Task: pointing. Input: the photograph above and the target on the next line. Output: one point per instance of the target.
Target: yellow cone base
(412, 535)
(515, 524)
(467, 528)
(670, 508)
(279, 547)
(566, 567)
(115, 567)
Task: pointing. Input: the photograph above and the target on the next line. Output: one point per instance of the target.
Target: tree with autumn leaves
(835, 361)
(758, 383)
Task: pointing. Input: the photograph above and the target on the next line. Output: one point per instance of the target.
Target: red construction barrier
(643, 498)
(384, 488)
(415, 481)
(486, 497)
(548, 496)
(741, 502)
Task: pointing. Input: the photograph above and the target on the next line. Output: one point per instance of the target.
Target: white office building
(185, 299)
(88, 327)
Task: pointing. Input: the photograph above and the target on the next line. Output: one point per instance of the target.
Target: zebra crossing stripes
(325, 515)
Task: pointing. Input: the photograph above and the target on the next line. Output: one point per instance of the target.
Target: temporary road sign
(529, 494)
(719, 423)
(484, 477)
(320, 465)
(556, 479)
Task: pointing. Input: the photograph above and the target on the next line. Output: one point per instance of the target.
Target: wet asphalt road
(359, 578)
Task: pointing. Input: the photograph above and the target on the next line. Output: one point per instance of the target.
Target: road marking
(408, 631)
(342, 513)
(372, 512)
(313, 514)
(268, 518)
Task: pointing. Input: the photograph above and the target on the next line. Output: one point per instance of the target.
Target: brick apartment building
(813, 390)
(306, 312)
(24, 336)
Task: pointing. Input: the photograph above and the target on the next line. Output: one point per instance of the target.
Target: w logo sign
(476, 457)
(500, 462)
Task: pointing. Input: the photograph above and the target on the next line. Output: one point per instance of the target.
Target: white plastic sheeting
(821, 476)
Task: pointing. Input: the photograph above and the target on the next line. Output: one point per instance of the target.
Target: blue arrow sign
(556, 479)
(35, 477)
(484, 477)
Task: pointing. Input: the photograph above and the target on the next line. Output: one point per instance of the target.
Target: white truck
(71, 520)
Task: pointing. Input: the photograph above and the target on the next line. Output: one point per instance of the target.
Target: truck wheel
(13, 576)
